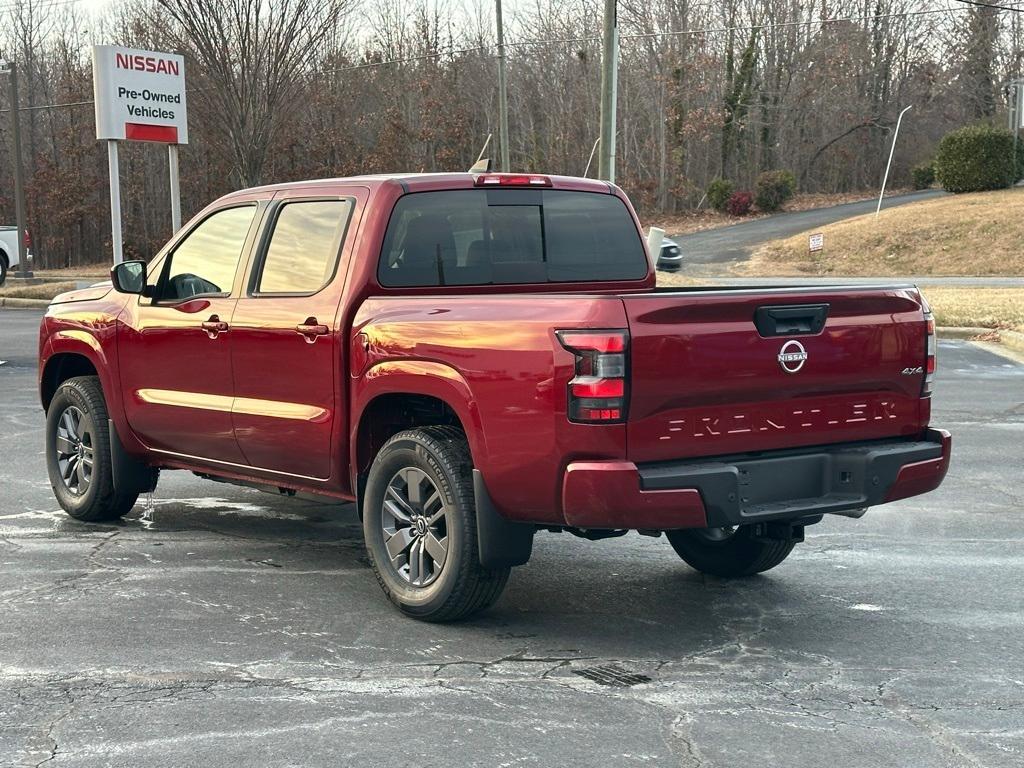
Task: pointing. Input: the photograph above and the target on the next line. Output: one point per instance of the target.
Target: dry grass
(40, 291)
(1001, 308)
(97, 271)
(976, 234)
(675, 280)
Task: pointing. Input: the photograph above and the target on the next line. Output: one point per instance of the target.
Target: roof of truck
(418, 182)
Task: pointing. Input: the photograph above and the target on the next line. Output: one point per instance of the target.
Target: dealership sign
(140, 95)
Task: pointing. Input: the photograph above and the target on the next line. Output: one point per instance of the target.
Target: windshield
(502, 236)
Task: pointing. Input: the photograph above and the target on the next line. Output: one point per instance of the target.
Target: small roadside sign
(816, 241)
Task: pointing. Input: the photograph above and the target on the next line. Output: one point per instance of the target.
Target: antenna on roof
(482, 164)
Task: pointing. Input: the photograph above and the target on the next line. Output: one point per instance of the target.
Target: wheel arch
(397, 396)
(394, 397)
(73, 352)
(60, 367)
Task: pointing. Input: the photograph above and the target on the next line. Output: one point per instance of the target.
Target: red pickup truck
(472, 358)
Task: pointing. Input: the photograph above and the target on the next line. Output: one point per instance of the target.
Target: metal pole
(484, 148)
(19, 172)
(892, 151)
(591, 158)
(115, 201)
(1015, 98)
(502, 94)
(609, 86)
(172, 165)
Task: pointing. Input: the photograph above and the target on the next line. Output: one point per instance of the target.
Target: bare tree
(254, 57)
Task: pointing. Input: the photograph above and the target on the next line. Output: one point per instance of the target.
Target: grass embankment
(995, 308)
(38, 291)
(976, 234)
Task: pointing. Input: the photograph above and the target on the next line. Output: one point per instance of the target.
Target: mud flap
(130, 474)
(502, 543)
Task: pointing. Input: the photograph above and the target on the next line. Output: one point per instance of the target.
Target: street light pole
(892, 151)
(502, 93)
(11, 69)
(609, 86)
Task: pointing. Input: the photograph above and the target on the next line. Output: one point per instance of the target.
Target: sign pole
(172, 164)
(115, 201)
(19, 173)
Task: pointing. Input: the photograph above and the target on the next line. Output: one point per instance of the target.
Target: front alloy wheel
(73, 449)
(78, 453)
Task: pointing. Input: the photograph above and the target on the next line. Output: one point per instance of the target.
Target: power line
(50, 106)
(991, 5)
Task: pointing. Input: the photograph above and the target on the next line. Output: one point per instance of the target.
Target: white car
(9, 250)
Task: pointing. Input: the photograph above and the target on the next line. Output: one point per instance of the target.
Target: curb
(1010, 339)
(1013, 339)
(966, 332)
(16, 303)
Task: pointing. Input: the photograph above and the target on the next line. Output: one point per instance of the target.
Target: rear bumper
(782, 485)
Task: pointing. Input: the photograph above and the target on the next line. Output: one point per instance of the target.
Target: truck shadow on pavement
(622, 599)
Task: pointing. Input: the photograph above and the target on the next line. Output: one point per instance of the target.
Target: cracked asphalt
(226, 627)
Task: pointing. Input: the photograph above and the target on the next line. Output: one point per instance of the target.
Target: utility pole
(11, 69)
(1013, 94)
(609, 86)
(502, 94)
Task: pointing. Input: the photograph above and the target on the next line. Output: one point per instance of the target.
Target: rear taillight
(511, 180)
(598, 391)
(930, 348)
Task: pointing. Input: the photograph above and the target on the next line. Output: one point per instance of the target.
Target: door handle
(311, 329)
(214, 326)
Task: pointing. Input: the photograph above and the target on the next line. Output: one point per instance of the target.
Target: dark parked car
(670, 258)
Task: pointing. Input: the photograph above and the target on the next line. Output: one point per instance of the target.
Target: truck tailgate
(712, 375)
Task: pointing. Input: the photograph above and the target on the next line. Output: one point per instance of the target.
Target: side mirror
(129, 277)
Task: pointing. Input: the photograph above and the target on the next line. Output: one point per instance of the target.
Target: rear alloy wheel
(729, 551)
(419, 522)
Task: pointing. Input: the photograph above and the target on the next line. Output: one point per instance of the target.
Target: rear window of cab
(508, 236)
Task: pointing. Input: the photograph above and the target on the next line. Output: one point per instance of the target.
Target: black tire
(98, 500)
(3, 268)
(460, 586)
(736, 552)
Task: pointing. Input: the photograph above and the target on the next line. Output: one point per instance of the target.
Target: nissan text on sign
(140, 95)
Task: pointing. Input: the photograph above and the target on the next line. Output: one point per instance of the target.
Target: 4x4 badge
(792, 356)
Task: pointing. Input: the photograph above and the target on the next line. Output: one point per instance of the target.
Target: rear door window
(304, 246)
(508, 236)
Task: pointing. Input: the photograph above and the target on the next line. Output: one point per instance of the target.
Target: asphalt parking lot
(225, 627)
